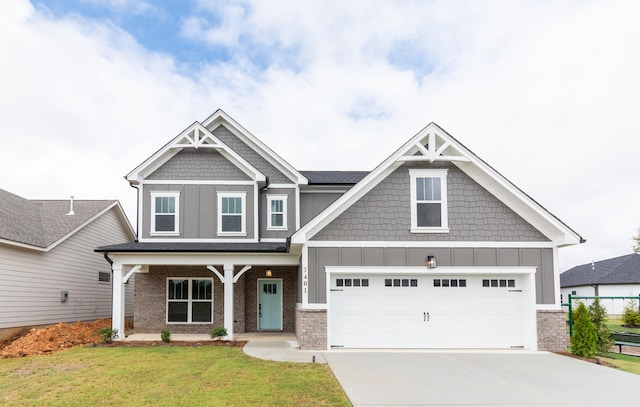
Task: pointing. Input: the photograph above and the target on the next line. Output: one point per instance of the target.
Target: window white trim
(242, 214)
(414, 174)
(270, 199)
(176, 226)
(189, 300)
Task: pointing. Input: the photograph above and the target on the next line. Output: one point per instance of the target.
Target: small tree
(631, 315)
(598, 316)
(584, 339)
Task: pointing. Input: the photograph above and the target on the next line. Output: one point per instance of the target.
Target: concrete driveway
(509, 378)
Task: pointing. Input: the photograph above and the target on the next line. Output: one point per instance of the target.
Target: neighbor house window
(104, 277)
(277, 212)
(428, 201)
(189, 300)
(232, 213)
(165, 212)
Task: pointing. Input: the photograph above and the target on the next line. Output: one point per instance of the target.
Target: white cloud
(546, 92)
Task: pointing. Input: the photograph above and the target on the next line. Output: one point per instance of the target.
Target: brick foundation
(311, 328)
(552, 330)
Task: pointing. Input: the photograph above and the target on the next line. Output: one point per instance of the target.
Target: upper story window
(232, 213)
(165, 212)
(429, 201)
(277, 212)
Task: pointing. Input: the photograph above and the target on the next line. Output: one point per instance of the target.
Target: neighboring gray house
(46, 250)
(431, 249)
(615, 277)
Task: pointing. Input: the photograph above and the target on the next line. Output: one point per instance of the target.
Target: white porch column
(228, 300)
(117, 314)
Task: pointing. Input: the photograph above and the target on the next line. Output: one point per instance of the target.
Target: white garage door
(418, 311)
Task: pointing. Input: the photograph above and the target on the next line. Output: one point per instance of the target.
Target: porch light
(268, 273)
(431, 262)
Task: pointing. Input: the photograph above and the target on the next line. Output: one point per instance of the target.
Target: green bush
(218, 332)
(584, 340)
(108, 334)
(631, 315)
(165, 335)
(598, 316)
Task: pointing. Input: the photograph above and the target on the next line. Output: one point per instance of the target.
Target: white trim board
(430, 244)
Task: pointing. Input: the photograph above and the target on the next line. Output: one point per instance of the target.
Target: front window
(164, 213)
(231, 214)
(189, 300)
(428, 201)
(277, 212)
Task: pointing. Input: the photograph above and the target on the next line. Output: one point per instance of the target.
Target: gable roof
(617, 270)
(43, 224)
(433, 144)
(195, 136)
(220, 117)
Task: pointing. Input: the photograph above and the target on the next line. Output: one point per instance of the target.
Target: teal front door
(270, 304)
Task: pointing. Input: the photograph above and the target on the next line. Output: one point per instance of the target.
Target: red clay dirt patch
(64, 336)
(55, 338)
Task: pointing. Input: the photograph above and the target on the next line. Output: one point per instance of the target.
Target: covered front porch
(194, 291)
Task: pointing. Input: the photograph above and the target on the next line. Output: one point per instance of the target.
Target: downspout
(264, 188)
(137, 208)
(107, 258)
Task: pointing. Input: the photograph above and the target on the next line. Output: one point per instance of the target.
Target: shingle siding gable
(202, 164)
(474, 213)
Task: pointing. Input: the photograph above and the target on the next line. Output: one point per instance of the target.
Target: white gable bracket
(217, 273)
(240, 273)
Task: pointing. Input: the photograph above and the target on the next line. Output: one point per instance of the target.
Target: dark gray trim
(151, 247)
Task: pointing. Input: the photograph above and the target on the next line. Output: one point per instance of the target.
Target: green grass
(615, 325)
(164, 376)
(627, 363)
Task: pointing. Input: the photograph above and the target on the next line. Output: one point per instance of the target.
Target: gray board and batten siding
(474, 215)
(198, 209)
(31, 281)
(290, 193)
(312, 203)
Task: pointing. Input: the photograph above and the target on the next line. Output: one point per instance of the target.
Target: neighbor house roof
(42, 224)
(618, 270)
(334, 177)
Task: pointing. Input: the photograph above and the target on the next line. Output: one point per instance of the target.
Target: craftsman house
(615, 277)
(431, 249)
(49, 272)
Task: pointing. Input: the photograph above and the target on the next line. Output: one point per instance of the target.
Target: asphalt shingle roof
(334, 177)
(42, 222)
(262, 247)
(618, 270)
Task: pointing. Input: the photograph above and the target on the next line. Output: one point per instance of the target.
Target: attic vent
(71, 212)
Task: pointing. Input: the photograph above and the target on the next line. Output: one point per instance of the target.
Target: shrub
(598, 316)
(218, 332)
(631, 315)
(165, 335)
(584, 339)
(108, 334)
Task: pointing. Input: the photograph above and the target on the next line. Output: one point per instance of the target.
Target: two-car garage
(407, 307)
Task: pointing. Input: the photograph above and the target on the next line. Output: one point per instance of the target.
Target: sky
(547, 92)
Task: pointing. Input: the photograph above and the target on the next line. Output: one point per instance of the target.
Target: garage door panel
(435, 312)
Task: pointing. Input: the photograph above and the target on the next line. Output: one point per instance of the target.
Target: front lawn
(628, 363)
(615, 325)
(164, 376)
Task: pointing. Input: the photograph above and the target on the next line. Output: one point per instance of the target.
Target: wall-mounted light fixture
(268, 273)
(431, 262)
